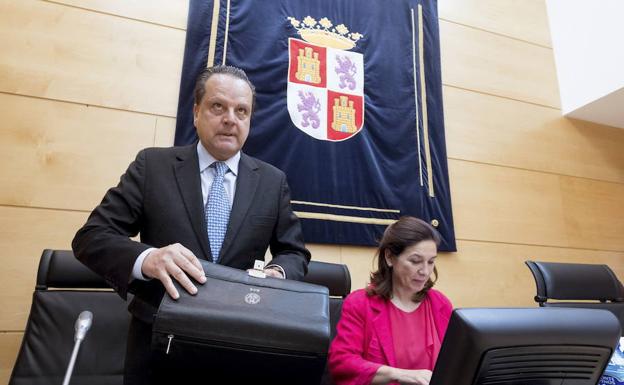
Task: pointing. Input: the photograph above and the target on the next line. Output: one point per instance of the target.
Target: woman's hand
(416, 377)
(386, 374)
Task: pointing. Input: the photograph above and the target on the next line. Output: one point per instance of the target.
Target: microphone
(82, 326)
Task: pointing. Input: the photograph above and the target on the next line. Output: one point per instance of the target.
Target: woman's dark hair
(405, 232)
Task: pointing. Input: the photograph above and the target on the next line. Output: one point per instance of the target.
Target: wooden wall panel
(10, 344)
(24, 233)
(593, 213)
(65, 155)
(171, 13)
(361, 261)
(165, 132)
(484, 274)
(324, 253)
(495, 130)
(524, 20)
(481, 61)
(499, 204)
(88, 57)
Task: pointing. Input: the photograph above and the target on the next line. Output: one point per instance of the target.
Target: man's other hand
(174, 261)
(275, 273)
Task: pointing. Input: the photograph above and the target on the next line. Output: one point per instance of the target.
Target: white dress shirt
(207, 173)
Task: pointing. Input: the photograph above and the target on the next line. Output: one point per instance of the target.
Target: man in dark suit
(204, 201)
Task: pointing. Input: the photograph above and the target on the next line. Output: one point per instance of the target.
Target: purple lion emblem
(310, 107)
(346, 70)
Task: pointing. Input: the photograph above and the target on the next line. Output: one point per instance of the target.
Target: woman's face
(412, 268)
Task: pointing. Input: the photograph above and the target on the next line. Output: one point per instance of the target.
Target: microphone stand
(72, 361)
(83, 323)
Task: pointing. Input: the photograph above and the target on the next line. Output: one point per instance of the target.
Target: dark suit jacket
(160, 197)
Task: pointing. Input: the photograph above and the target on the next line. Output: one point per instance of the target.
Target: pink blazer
(363, 340)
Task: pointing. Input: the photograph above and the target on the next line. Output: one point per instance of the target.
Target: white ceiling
(607, 110)
(587, 43)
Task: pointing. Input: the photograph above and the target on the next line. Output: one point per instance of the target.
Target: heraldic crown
(324, 33)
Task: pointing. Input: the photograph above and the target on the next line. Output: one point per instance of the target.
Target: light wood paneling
(325, 253)
(24, 233)
(525, 20)
(64, 155)
(172, 13)
(361, 261)
(500, 204)
(486, 274)
(71, 54)
(10, 343)
(593, 213)
(505, 132)
(485, 62)
(505, 205)
(165, 132)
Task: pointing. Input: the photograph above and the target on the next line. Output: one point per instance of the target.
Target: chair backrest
(580, 285)
(65, 287)
(337, 279)
(334, 276)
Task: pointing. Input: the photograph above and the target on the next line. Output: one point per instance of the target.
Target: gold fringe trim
(344, 218)
(423, 101)
(420, 174)
(227, 31)
(212, 46)
(346, 207)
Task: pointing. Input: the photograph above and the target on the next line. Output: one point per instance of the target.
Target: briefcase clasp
(258, 269)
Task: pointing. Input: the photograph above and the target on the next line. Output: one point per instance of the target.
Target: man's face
(222, 116)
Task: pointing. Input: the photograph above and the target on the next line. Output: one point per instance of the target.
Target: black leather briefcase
(244, 329)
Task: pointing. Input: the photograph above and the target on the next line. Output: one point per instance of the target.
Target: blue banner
(349, 106)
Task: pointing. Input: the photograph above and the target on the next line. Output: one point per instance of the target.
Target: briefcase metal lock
(258, 269)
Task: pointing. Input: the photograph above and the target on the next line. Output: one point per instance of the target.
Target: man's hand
(275, 273)
(174, 261)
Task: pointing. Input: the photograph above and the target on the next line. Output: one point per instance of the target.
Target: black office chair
(337, 279)
(65, 287)
(578, 285)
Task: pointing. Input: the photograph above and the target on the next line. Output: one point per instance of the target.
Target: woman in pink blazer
(391, 332)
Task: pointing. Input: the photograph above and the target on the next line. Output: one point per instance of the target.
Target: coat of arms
(325, 80)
